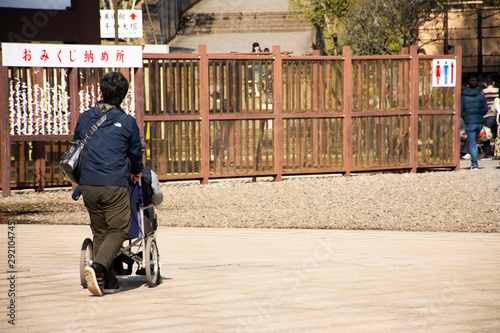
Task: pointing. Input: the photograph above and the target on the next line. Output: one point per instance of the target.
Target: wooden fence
(244, 115)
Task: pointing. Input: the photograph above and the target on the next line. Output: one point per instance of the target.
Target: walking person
(474, 107)
(490, 118)
(112, 155)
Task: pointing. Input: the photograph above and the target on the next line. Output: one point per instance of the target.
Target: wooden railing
(232, 115)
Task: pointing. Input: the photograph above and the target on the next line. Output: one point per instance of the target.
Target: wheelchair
(142, 248)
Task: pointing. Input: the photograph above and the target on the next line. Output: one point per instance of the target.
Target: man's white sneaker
(92, 281)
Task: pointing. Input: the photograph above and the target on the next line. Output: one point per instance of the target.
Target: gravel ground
(461, 201)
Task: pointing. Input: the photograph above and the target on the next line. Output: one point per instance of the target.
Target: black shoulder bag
(71, 161)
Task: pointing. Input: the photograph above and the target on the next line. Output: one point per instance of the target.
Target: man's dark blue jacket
(113, 151)
(474, 106)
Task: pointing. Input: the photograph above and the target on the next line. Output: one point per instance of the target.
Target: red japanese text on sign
(89, 56)
(44, 57)
(60, 55)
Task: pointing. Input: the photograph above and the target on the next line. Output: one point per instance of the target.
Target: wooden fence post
(278, 112)
(74, 100)
(4, 129)
(139, 98)
(39, 146)
(414, 108)
(40, 165)
(204, 113)
(139, 103)
(315, 102)
(458, 92)
(347, 92)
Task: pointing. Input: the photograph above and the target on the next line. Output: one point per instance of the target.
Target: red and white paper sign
(67, 55)
(129, 23)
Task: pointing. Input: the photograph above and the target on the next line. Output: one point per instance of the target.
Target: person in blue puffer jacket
(474, 107)
(112, 156)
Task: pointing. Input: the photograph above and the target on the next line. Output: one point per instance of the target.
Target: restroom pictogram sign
(444, 72)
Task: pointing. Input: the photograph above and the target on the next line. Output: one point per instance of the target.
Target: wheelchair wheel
(86, 258)
(152, 263)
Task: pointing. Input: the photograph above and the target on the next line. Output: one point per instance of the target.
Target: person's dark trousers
(109, 211)
(490, 122)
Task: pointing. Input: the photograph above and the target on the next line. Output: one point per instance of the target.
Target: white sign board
(444, 72)
(129, 24)
(68, 55)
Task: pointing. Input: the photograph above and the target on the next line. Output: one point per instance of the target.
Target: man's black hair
(472, 83)
(114, 88)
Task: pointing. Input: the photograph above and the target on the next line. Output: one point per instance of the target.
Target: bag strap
(95, 127)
